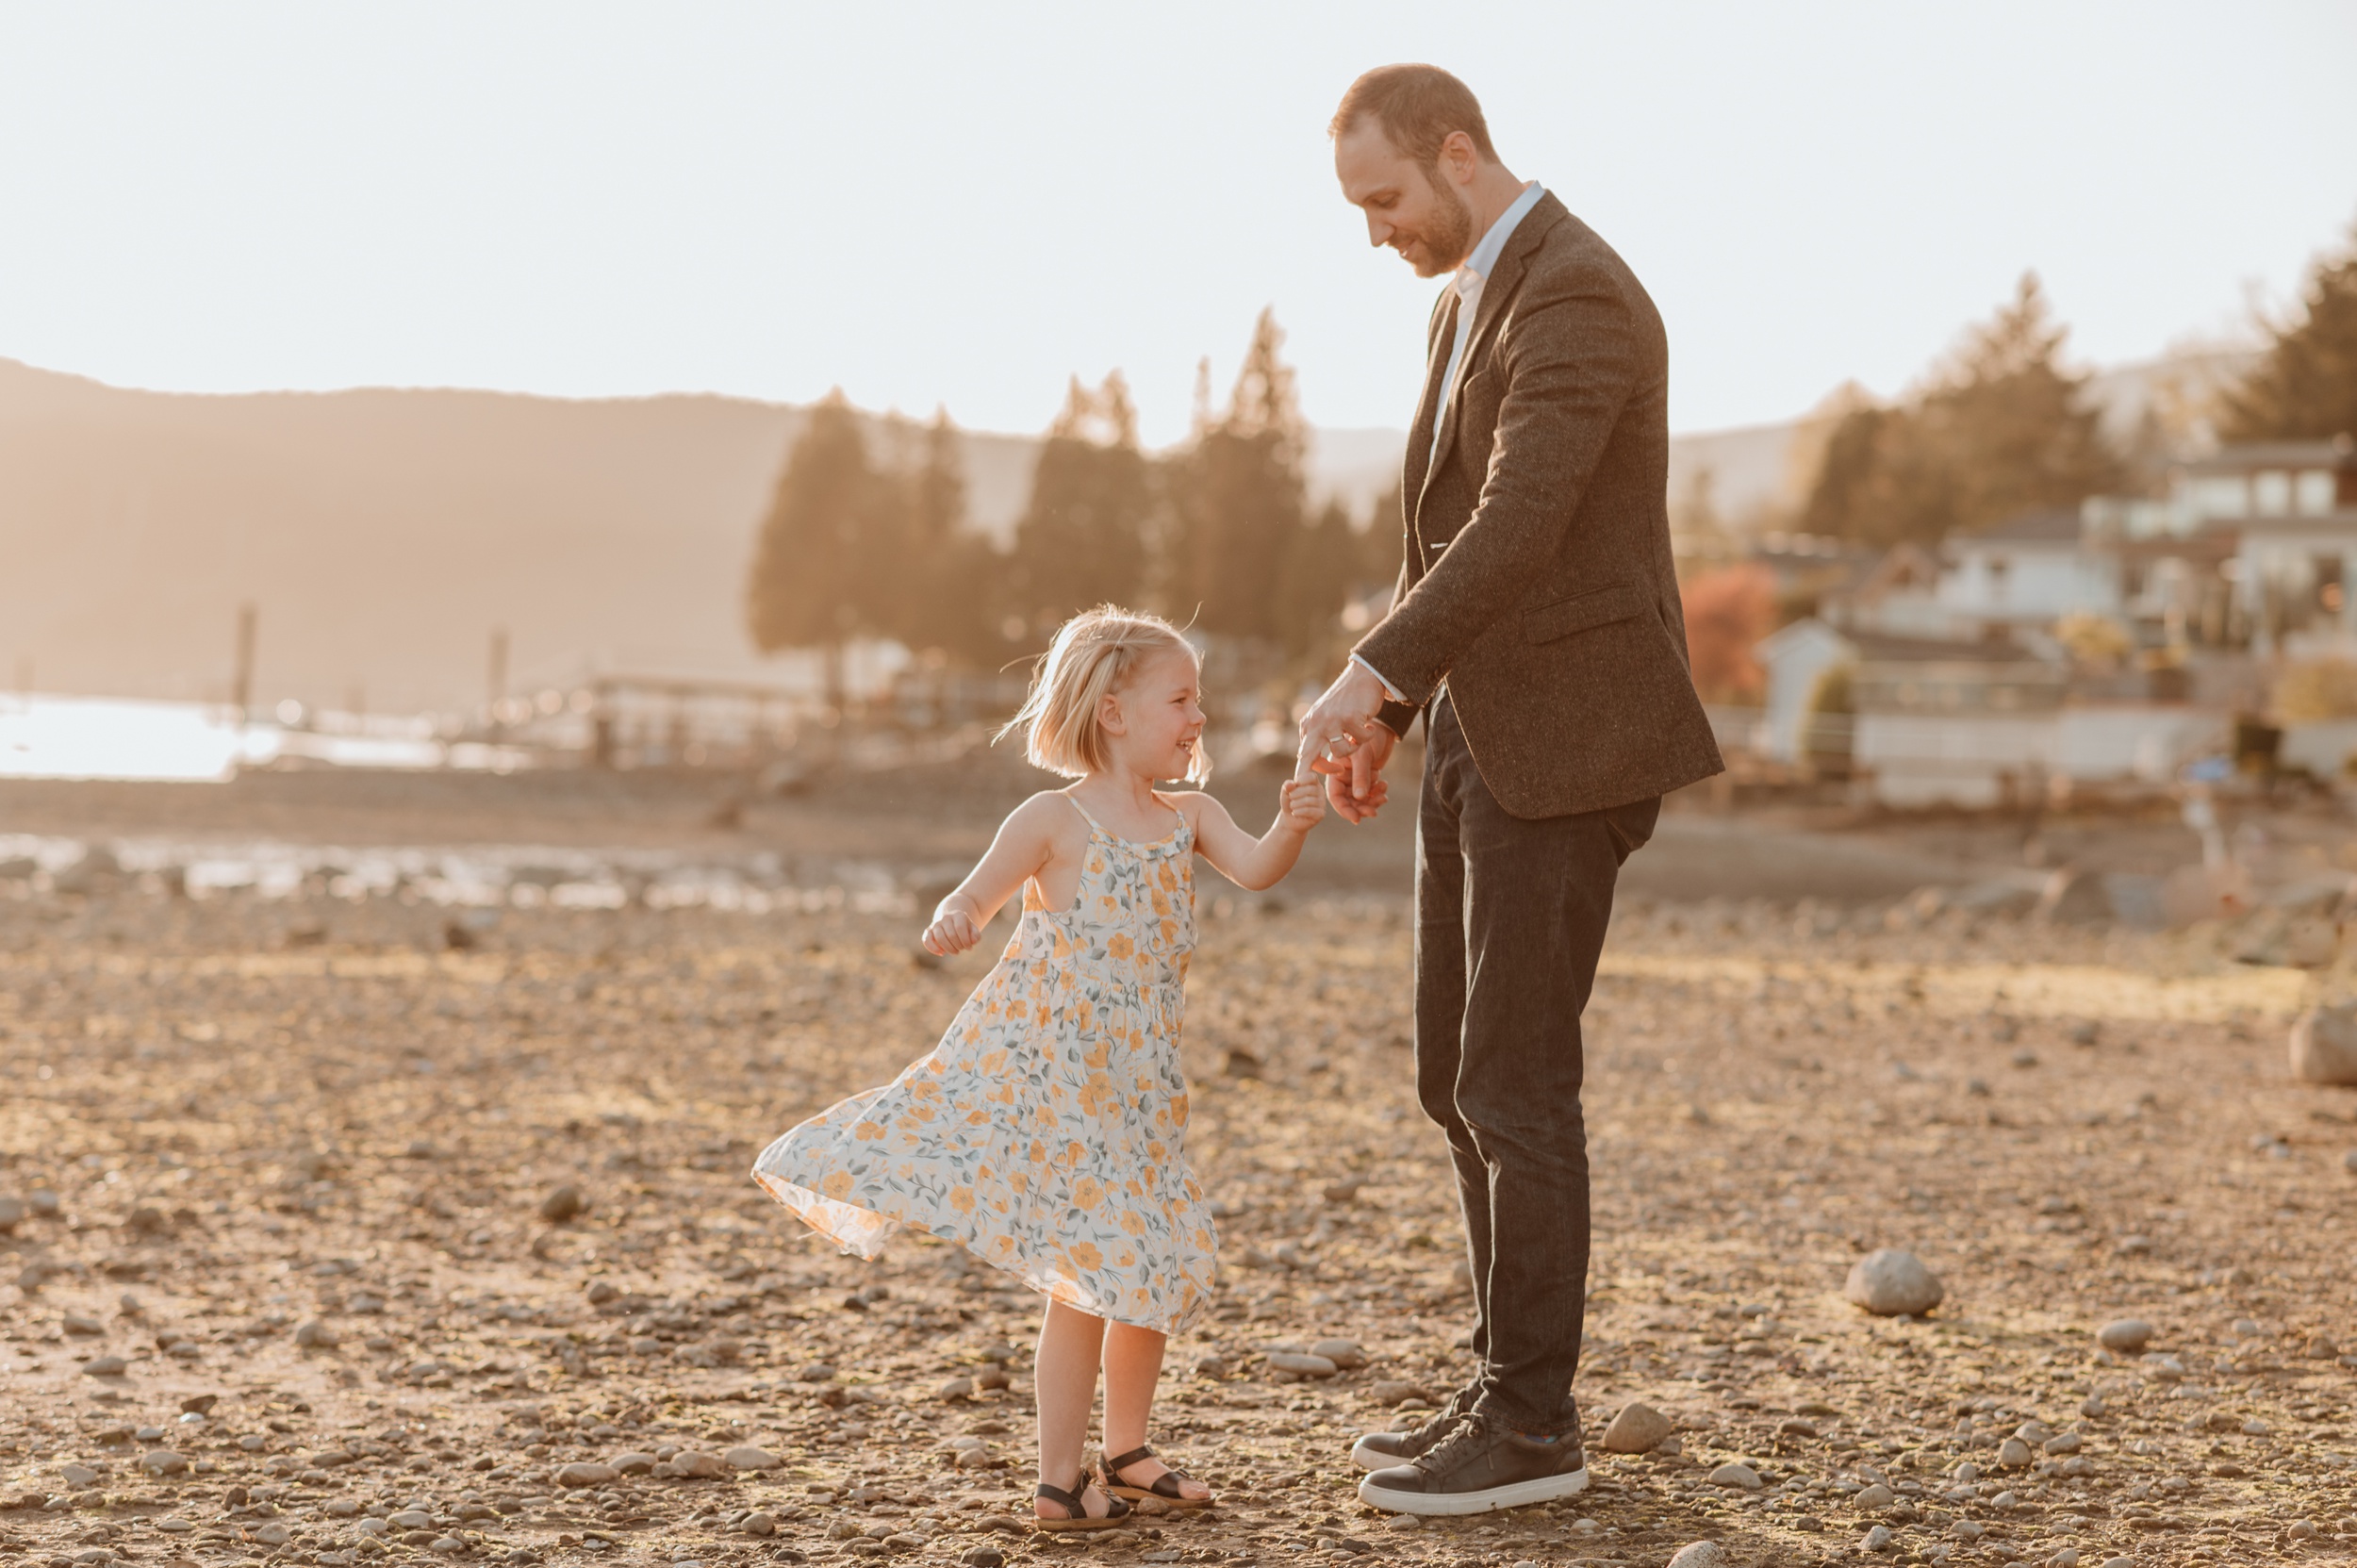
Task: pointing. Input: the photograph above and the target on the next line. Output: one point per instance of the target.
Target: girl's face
(1156, 720)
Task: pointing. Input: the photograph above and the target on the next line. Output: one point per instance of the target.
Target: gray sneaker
(1481, 1466)
(1383, 1450)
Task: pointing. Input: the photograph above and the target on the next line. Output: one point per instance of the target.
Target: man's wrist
(1389, 690)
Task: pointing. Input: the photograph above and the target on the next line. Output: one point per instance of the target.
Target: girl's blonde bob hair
(1094, 654)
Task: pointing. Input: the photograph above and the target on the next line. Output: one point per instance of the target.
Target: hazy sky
(963, 204)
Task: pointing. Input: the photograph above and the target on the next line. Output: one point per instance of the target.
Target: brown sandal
(1074, 1504)
(1166, 1486)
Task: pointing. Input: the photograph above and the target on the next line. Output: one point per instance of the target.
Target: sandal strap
(1141, 1452)
(1070, 1500)
(1075, 1502)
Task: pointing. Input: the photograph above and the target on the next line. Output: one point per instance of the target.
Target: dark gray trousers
(1511, 917)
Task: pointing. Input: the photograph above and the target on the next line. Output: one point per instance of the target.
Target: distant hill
(384, 534)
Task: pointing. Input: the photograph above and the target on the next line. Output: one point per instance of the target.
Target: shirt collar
(1479, 266)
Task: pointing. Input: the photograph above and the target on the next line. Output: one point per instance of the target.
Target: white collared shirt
(1472, 274)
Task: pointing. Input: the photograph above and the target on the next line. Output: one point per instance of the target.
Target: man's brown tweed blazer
(1538, 580)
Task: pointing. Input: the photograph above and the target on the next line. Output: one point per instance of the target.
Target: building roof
(1882, 648)
(2338, 453)
(2048, 527)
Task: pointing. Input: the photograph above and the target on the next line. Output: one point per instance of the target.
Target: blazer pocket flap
(1583, 612)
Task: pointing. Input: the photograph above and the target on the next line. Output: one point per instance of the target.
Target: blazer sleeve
(1570, 364)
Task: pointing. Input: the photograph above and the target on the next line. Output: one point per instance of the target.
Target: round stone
(1742, 1476)
(1636, 1429)
(750, 1458)
(1876, 1498)
(1891, 1282)
(1702, 1554)
(1301, 1365)
(2127, 1335)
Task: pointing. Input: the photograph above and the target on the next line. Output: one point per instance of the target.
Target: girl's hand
(1301, 803)
(953, 929)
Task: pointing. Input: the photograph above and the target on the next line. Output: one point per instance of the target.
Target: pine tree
(1239, 503)
(1083, 537)
(1999, 429)
(802, 590)
(2306, 387)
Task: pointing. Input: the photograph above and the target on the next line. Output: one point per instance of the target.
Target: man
(1536, 626)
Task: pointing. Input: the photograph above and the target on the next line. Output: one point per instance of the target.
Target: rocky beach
(369, 1216)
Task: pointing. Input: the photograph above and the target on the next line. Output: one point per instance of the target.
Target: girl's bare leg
(1133, 1364)
(1071, 1343)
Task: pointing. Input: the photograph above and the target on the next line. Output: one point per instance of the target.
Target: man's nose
(1379, 231)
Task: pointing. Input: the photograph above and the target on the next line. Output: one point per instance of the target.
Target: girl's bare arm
(1027, 841)
(1256, 863)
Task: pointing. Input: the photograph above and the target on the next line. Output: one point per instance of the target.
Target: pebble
(1876, 1498)
(583, 1473)
(698, 1465)
(1891, 1282)
(2127, 1335)
(163, 1461)
(984, 1556)
(1878, 1538)
(315, 1335)
(77, 1323)
(562, 1204)
(634, 1463)
(104, 1366)
(2014, 1453)
(11, 1213)
(759, 1524)
(1702, 1554)
(746, 1456)
(1343, 1353)
(1398, 1390)
(77, 1476)
(1742, 1476)
(956, 1388)
(2066, 1558)
(1302, 1365)
(1215, 1367)
(1637, 1429)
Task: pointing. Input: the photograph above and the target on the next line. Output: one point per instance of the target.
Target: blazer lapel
(1416, 462)
(1497, 290)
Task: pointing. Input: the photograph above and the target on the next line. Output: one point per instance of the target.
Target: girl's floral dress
(1046, 1132)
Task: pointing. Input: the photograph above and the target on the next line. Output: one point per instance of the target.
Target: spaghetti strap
(1094, 826)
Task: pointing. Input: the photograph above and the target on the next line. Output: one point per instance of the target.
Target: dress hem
(807, 1206)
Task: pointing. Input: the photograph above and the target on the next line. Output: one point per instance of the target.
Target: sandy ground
(297, 1158)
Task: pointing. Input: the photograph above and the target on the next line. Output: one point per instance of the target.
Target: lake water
(108, 737)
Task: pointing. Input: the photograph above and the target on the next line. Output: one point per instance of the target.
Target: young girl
(1046, 1132)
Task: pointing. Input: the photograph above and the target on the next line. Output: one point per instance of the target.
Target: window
(2312, 492)
(2271, 492)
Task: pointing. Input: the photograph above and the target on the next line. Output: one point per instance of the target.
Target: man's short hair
(1417, 106)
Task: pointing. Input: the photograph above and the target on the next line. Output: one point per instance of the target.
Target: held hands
(1341, 738)
(1301, 803)
(954, 927)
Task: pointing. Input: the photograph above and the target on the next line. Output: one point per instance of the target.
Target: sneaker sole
(1367, 1458)
(1519, 1495)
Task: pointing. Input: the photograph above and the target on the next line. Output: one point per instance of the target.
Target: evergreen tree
(2306, 387)
(2000, 430)
(1239, 503)
(802, 590)
(1084, 537)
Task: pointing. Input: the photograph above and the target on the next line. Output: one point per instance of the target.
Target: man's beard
(1448, 235)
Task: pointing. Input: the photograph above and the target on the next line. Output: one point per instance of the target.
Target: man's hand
(1341, 731)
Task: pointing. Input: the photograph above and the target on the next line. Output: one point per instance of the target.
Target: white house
(2030, 572)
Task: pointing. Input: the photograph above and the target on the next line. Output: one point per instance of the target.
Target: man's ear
(1459, 157)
